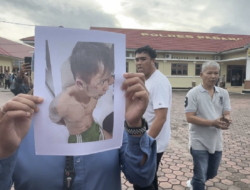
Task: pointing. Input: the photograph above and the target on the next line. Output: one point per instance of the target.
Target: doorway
(236, 74)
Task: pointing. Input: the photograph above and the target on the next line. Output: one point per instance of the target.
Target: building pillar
(247, 80)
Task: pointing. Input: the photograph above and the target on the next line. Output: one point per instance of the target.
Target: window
(197, 69)
(179, 69)
(157, 65)
(1, 69)
(229, 73)
(201, 58)
(127, 67)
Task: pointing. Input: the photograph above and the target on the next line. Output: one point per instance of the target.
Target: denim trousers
(205, 167)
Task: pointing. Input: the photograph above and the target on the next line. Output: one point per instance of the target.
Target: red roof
(177, 41)
(14, 49)
(180, 41)
(31, 38)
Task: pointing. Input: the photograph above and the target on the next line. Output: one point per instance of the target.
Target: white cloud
(127, 22)
(15, 32)
(177, 15)
(111, 6)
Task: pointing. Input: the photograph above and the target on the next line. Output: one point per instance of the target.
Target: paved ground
(5, 95)
(176, 165)
(234, 172)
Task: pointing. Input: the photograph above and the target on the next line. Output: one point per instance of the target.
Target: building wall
(131, 66)
(180, 81)
(235, 55)
(185, 81)
(7, 62)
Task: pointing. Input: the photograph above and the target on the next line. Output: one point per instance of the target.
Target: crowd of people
(6, 79)
(147, 132)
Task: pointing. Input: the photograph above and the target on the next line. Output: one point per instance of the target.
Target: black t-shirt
(1, 76)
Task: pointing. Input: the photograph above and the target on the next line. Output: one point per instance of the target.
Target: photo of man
(92, 66)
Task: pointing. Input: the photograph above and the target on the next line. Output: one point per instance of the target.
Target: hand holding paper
(15, 121)
(136, 98)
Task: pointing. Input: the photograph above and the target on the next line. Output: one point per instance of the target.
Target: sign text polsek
(189, 36)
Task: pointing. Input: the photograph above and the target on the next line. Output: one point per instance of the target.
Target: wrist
(213, 123)
(135, 124)
(19, 79)
(134, 130)
(5, 154)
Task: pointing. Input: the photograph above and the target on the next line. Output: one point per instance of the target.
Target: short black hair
(86, 58)
(148, 50)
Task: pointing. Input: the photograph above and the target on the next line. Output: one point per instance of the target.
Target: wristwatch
(136, 130)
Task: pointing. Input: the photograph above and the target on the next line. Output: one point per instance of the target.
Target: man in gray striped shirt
(207, 109)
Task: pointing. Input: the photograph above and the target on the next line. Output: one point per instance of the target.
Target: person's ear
(111, 80)
(81, 84)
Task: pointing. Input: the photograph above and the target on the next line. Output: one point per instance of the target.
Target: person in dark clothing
(22, 83)
(1, 79)
(7, 79)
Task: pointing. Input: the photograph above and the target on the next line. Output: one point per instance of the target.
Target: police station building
(181, 54)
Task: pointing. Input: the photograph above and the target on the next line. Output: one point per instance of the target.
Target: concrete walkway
(234, 172)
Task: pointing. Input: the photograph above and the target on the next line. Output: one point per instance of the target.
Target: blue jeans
(205, 167)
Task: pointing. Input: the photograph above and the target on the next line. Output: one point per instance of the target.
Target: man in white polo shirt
(207, 110)
(160, 99)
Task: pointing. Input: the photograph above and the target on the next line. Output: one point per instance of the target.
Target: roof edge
(92, 27)
(233, 50)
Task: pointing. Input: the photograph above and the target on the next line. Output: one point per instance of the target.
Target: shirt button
(78, 160)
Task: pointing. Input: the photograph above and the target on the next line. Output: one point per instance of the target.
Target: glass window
(197, 69)
(126, 66)
(179, 69)
(229, 73)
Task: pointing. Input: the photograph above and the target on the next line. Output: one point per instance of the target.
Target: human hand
(221, 123)
(15, 121)
(26, 80)
(26, 67)
(227, 119)
(136, 98)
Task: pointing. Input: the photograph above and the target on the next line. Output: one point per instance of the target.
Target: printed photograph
(85, 79)
(76, 77)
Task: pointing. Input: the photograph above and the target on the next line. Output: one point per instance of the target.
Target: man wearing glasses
(92, 65)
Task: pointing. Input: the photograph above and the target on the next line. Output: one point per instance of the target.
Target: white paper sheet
(54, 79)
